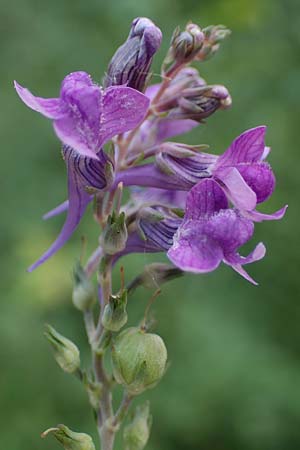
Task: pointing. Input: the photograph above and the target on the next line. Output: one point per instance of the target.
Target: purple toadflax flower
(85, 117)
(209, 233)
(241, 172)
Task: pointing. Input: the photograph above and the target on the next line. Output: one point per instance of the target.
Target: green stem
(123, 409)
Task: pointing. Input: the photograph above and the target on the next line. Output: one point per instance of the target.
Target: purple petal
(260, 178)
(160, 233)
(48, 107)
(238, 191)
(257, 254)
(194, 251)
(257, 216)
(241, 271)
(229, 229)
(167, 128)
(149, 175)
(82, 173)
(189, 171)
(266, 153)
(123, 109)
(81, 128)
(248, 147)
(155, 196)
(56, 211)
(70, 134)
(206, 198)
(78, 201)
(152, 90)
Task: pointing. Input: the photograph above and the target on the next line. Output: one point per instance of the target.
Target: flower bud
(83, 295)
(185, 44)
(154, 275)
(214, 34)
(131, 63)
(114, 314)
(69, 439)
(201, 102)
(65, 352)
(137, 433)
(114, 236)
(139, 359)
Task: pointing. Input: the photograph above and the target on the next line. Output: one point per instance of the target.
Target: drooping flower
(209, 233)
(131, 63)
(85, 116)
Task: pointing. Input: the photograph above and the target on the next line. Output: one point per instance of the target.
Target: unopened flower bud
(131, 63)
(65, 351)
(137, 433)
(114, 314)
(214, 34)
(83, 295)
(69, 439)
(201, 102)
(185, 44)
(187, 77)
(154, 275)
(139, 359)
(114, 236)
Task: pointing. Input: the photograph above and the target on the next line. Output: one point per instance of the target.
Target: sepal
(83, 295)
(137, 432)
(114, 236)
(115, 314)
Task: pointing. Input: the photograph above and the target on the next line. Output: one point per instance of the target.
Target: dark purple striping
(189, 170)
(160, 233)
(90, 171)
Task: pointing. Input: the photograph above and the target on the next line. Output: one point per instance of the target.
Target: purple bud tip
(144, 27)
(220, 92)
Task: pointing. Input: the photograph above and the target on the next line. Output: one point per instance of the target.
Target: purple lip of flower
(209, 233)
(131, 63)
(85, 116)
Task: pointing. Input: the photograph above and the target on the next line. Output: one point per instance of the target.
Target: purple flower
(208, 234)
(241, 172)
(211, 233)
(131, 63)
(85, 116)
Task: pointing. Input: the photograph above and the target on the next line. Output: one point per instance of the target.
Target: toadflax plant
(197, 207)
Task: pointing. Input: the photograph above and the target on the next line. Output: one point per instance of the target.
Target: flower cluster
(199, 208)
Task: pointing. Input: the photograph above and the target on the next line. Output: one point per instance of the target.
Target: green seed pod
(71, 440)
(139, 359)
(65, 351)
(137, 433)
(83, 292)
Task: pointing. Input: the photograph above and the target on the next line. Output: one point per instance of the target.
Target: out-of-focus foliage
(234, 380)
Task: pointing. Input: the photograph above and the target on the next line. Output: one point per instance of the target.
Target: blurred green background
(234, 380)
